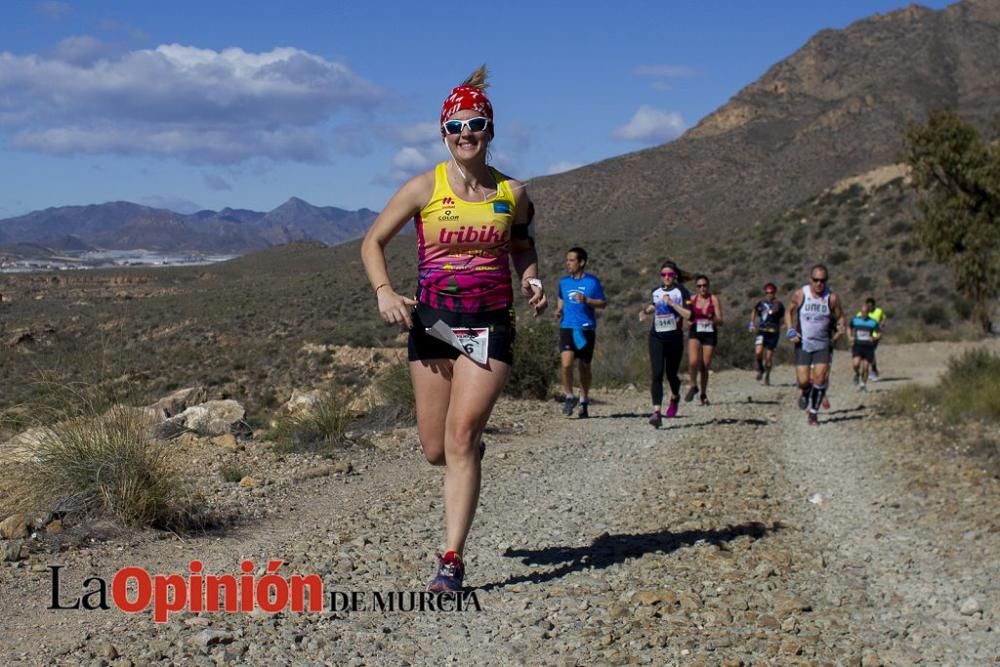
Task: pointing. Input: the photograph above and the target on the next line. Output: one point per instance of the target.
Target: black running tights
(664, 355)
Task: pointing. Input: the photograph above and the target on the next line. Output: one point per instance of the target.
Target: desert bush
(838, 257)
(969, 389)
(396, 404)
(621, 355)
(320, 430)
(863, 283)
(536, 360)
(899, 277)
(231, 474)
(935, 315)
(106, 466)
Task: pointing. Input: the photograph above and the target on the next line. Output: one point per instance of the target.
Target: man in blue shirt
(864, 334)
(580, 294)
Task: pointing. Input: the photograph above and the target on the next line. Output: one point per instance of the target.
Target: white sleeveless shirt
(814, 320)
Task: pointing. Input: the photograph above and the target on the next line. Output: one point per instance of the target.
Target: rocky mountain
(835, 108)
(124, 226)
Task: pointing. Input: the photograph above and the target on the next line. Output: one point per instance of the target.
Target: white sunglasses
(477, 124)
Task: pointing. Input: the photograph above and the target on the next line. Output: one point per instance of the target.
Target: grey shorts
(803, 358)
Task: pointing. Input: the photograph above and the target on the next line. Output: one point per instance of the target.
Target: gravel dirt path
(734, 535)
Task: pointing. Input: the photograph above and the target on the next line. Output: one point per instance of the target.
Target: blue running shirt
(579, 315)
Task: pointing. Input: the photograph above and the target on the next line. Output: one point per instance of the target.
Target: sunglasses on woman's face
(668, 274)
(477, 124)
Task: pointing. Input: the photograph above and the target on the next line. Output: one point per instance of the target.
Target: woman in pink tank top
(706, 316)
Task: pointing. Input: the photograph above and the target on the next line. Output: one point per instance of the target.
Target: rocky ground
(734, 535)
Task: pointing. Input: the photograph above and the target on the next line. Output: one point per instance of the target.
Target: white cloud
(196, 104)
(216, 182)
(53, 9)
(650, 125)
(664, 71)
(560, 167)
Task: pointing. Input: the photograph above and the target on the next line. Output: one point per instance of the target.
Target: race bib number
(862, 335)
(759, 340)
(664, 323)
(473, 342)
(704, 326)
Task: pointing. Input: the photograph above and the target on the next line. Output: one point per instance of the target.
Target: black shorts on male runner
(822, 356)
(768, 339)
(422, 346)
(567, 344)
(866, 352)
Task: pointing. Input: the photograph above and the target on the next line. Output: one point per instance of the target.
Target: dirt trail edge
(734, 535)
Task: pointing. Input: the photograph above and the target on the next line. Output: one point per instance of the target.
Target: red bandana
(466, 97)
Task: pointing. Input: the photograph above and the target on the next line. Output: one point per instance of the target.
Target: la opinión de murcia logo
(134, 590)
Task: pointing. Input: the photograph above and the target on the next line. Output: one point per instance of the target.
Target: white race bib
(862, 334)
(472, 342)
(759, 340)
(704, 326)
(664, 323)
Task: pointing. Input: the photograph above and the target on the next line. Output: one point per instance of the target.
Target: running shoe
(812, 418)
(862, 387)
(872, 376)
(569, 404)
(704, 400)
(825, 404)
(671, 409)
(583, 414)
(655, 420)
(691, 393)
(760, 374)
(803, 401)
(450, 573)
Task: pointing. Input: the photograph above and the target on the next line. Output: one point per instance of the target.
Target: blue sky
(192, 105)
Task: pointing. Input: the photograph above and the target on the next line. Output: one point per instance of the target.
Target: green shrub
(319, 430)
(969, 389)
(838, 257)
(621, 355)
(935, 315)
(107, 466)
(397, 405)
(231, 474)
(536, 360)
(863, 283)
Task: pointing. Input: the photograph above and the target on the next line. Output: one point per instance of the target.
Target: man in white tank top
(812, 311)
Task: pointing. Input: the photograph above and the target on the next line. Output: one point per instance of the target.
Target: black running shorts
(422, 345)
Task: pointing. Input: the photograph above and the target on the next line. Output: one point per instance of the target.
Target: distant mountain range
(126, 226)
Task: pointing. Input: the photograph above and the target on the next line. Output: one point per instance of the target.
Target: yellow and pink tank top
(463, 248)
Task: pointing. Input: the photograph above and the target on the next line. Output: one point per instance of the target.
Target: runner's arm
(406, 203)
(717, 311)
(838, 313)
(522, 249)
(792, 314)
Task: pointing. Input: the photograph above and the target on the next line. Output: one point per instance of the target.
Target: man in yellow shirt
(879, 316)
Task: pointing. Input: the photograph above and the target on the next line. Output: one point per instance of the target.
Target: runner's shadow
(901, 378)
(608, 550)
(846, 418)
(721, 421)
(844, 411)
